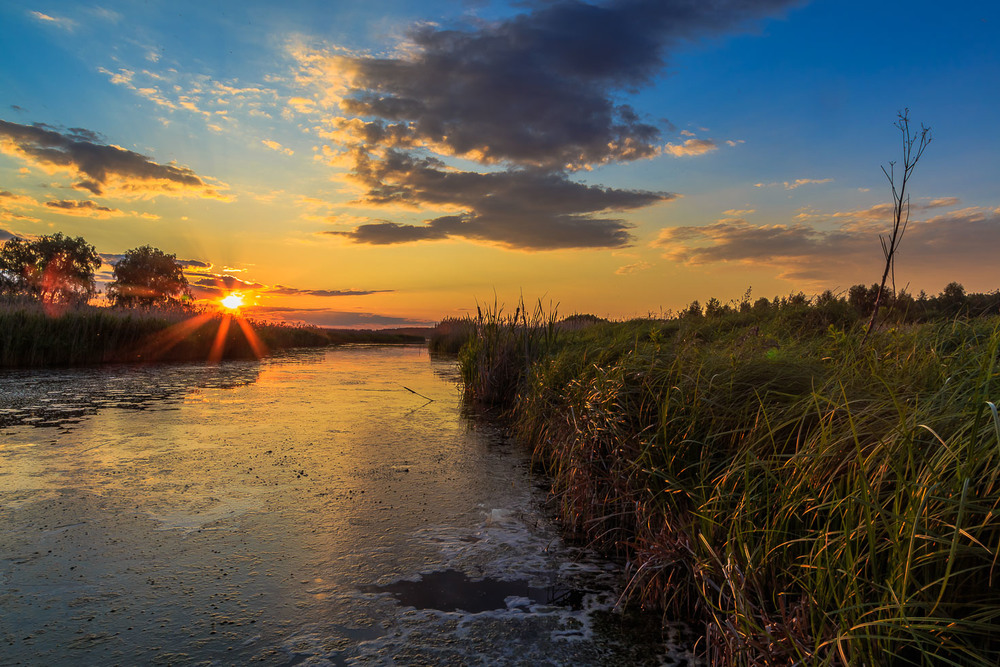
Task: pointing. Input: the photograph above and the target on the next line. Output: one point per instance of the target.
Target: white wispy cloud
(797, 183)
(635, 267)
(60, 22)
(691, 147)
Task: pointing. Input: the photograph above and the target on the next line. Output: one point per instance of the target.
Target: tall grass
(813, 501)
(451, 334)
(502, 350)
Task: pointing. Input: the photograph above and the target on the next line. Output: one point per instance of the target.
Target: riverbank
(32, 335)
(805, 497)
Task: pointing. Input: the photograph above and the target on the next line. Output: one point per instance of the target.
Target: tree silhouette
(51, 269)
(147, 276)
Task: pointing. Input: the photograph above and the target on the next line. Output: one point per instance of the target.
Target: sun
(233, 301)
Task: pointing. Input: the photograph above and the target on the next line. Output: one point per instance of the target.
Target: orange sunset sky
(360, 164)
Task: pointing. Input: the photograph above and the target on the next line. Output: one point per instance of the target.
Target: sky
(375, 164)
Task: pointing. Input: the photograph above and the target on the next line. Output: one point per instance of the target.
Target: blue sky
(368, 164)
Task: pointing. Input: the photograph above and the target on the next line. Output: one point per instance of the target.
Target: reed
(502, 350)
(451, 334)
(811, 500)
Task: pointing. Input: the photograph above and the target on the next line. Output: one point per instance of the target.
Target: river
(327, 507)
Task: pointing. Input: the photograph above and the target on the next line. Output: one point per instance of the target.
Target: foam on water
(562, 608)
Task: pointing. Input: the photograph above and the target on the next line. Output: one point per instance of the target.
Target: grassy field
(808, 499)
(31, 335)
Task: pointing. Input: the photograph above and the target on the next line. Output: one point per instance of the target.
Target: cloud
(797, 183)
(292, 291)
(878, 213)
(629, 269)
(83, 208)
(275, 146)
(10, 200)
(531, 210)
(302, 104)
(336, 318)
(537, 95)
(537, 89)
(212, 285)
(197, 94)
(7, 235)
(950, 246)
(193, 264)
(691, 147)
(64, 23)
(100, 168)
(105, 14)
(10, 215)
(739, 212)
(216, 284)
(189, 265)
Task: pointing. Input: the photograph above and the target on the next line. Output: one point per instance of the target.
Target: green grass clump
(813, 501)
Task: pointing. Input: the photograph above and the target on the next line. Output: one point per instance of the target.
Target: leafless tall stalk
(914, 145)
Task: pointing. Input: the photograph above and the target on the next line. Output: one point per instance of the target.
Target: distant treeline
(841, 309)
(859, 302)
(36, 334)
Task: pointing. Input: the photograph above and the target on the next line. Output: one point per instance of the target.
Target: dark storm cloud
(538, 94)
(539, 88)
(554, 233)
(527, 209)
(99, 167)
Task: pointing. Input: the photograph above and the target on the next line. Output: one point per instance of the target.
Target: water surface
(319, 507)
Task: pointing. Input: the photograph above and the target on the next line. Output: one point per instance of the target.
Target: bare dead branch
(901, 205)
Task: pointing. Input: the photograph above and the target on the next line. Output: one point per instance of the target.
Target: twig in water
(431, 400)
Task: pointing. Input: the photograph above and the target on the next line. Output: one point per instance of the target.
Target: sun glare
(233, 301)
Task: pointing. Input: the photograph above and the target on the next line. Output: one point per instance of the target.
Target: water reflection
(266, 511)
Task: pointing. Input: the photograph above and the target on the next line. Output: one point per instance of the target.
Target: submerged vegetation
(811, 499)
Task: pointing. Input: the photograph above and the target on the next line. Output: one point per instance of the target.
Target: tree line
(860, 301)
(58, 269)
